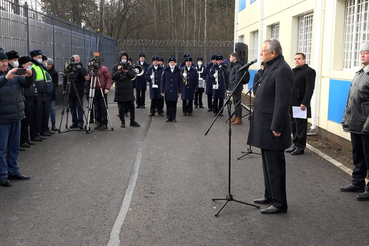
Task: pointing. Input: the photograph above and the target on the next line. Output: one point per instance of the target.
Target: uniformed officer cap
(155, 58)
(161, 59)
(24, 60)
(44, 58)
(219, 58)
(186, 55)
(199, 58)
(12, 54)
(34, 53)
(172, 58)
(213, 57)
(188, 59)
(142, 55)
(365, 46)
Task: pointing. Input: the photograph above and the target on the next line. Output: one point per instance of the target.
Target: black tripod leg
(216, 214)
(246, 203)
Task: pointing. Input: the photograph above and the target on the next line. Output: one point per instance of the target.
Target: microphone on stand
(246, 66)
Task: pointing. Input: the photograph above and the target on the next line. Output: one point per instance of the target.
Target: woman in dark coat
(124, 91)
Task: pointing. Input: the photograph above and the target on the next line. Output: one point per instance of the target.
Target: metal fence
(166, 48)
(23, 29)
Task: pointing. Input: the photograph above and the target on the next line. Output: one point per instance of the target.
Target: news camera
(71, 67)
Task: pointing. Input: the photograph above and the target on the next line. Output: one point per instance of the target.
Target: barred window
(305, 35)
(275, 31)
(356, 31)
(255, 43)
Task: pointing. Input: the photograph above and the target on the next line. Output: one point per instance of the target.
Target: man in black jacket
(234, 78)
(11, 113)
(302, 91)
(270, 125)
(55, 78)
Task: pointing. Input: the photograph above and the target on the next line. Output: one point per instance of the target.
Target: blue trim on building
(251, 1)
(338, 93)
(241, 5)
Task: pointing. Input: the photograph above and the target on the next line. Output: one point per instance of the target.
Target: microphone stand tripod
(229, 196)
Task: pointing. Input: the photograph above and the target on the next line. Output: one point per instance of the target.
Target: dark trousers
(45, 114)
(123, 106)
(274, 169)
(100, 109)
(25, 123)
(238, 108)
(76, 110)
(9, 148)
(210, 101)
(187, 106)
(198, 98)
(360, 156)
(299, 132)
(140, 98)
(171, 109)
(37, 116)
(218, 104)
(157, 104)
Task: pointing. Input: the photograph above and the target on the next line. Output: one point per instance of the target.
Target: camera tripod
(91, 95)
(70, 76)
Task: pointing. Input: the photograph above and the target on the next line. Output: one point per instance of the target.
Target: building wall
(333, 82)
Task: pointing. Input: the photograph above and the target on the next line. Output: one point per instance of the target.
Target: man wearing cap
(200, 68)
(209, 86)
(153, 77)
(356, 121)
(55, 79)
(189, 86)
(171, 86)
(141, 82)
(161, 61)
(219, 79)
(184, 60)
(11, 113)
(45, 131)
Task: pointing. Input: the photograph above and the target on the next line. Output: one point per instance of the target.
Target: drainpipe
(317, 64)
(236, 3)
(260, 31)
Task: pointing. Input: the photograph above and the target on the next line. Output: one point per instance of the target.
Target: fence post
(27, 24)
(71, 38)
(211, 51)
(143, 48)
(90, 42)
(177, 53)
(52, 22)
(84, 45)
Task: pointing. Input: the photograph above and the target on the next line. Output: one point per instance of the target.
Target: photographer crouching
(78, 74)
(122, 76)
(104, 82)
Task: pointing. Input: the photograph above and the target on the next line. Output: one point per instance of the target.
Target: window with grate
(356, 31)
(305, 34)
(255, 43)
(275, 31)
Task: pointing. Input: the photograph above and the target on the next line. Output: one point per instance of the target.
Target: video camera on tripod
(94, 63)
(71, 67)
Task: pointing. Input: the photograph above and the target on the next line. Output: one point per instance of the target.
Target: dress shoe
(185, 114)
(161, 114)
(238, 121)
(47, 134)
(80, 126)
(174, 120)
(97, 127)
(122, 125)
(273, 210)
(195, 106)
(30, 143)
(5, 182)
(201, 106)
(143, 106)
(151, 115)
(103, 127)
(25, 145)
(363, 196)
(134, 124)
(138, 107)
(352, 188)
(50, 132)
(190, 114)
(43, 138)
(210, 109)
(73, 126)
(291, 149)
(263, 201)
(36, 139)
(169, 120)
(18, 176)
(53, 128)
(298, 151)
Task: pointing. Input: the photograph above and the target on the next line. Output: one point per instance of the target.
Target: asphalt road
(79, 182)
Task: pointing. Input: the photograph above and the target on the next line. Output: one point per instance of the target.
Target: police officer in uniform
(209, 86)
(201, 76)
(153, 77)
(141, 83)
(219, 78)
(189, 86)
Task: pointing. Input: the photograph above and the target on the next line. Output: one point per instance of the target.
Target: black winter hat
(155, 58)
(219, 58)
(161, 59)
(142, 55)
(186, 55)
(34, 53)
(24, 60)
(172, 58)
(3, 56)
(214, 57)
(12, 54)
(188, 59)
(44, 58)
(199, 58)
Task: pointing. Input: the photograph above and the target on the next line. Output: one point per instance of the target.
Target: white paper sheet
(298, 113)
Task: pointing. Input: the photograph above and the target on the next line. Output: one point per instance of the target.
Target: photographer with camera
(105, 79)
(122, 76)
(78, 75)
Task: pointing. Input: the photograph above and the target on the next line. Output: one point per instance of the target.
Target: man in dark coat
(234, 78)
(302, 91)
(201, 76)
(356, 122)
(141, 82)
(124, 91)
(209, 85)
(219, 80)
(270, 125)
(11, 114)
(171, 87)
(55, 78)
(189, 86)
(153, 77)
